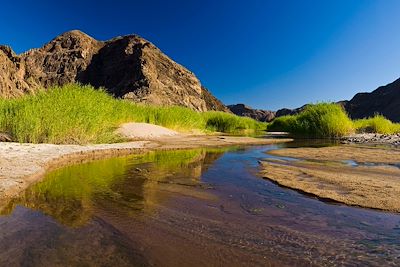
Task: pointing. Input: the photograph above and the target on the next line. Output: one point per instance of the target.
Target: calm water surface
(201, 207)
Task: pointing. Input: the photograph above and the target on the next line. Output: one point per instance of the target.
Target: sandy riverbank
(354, 175)
(23, 164)
(359, 153)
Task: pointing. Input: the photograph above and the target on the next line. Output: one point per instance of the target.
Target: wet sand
(23, 164)
(357, 153)
(361, 176)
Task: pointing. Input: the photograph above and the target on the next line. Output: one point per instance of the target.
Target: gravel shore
(371, 138)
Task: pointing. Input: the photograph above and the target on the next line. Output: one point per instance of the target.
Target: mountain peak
(74, 33)
(126, 66)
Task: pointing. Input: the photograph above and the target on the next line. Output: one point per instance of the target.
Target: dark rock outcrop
(127, 67)
(257, 114)
(286, 111)
(385, 101)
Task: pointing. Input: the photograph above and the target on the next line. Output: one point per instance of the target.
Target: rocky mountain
(257, 114)
(384, 100)
(262, 115)
(127, 67)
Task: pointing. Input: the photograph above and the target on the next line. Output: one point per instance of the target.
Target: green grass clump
(323, 120)
(229, 123)
(376, 124)
(81, 114)
(283, 124)
(71, 114)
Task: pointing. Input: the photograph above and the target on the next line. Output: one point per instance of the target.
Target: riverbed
(195, 207)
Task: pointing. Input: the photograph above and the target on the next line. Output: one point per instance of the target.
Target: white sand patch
(134, 130)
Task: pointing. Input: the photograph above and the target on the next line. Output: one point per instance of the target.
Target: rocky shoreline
(372, 138)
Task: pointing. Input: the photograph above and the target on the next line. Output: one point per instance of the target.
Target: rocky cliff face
(257, 114)
(385, 100)
(127, 67)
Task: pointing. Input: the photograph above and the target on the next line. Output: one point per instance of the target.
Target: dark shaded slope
(385, 100)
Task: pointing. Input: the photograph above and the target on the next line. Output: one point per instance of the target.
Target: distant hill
(385, 100)
(128, 67)
(287, 111)
(258, 114)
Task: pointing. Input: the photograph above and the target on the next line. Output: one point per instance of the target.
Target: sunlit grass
(329, 120)
(323, 120)
(376, 124)
(228, 123)
(82, 114)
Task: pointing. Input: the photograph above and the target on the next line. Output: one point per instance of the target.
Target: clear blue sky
(268, 54)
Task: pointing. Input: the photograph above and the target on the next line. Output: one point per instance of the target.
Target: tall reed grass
(323, 120)
(376, 124)
(329, 120)
(81, 114)
(228, 123)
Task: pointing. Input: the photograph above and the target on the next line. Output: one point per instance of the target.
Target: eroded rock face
(257, 114)
(57, 63)
(12, 82)
(127, 67)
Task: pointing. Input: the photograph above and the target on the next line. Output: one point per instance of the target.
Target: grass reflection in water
(124, 185)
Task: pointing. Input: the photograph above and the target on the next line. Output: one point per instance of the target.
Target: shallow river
(200, 207)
